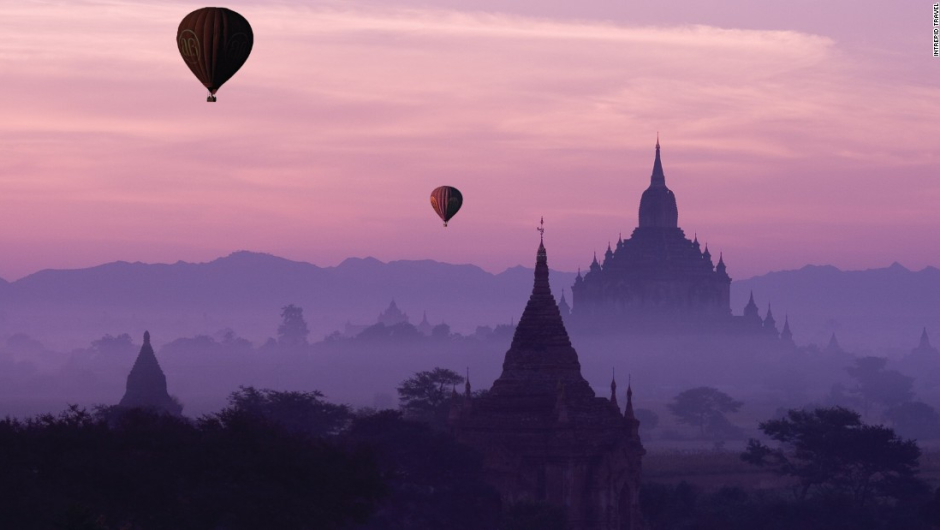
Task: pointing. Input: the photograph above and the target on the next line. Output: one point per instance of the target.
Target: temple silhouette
(543, 433)
(146, 384)
(658, 280)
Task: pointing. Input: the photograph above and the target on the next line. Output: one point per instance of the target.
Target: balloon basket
(210, 99)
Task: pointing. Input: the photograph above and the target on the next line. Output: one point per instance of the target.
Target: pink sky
(792, 133)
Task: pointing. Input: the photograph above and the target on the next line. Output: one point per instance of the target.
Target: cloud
(346, 115)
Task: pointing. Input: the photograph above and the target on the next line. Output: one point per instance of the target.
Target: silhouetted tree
(831, 450)
(146, 470)
(426, 395)
(293, 330)
(704, 407)
(298, 412)
(875, 385)
(435, 482)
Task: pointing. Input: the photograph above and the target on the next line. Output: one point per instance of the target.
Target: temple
(543, 433)
(146, 384)
(392, 315)
(658, 280)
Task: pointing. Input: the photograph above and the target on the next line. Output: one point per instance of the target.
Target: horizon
(784, 143)
(386, 262)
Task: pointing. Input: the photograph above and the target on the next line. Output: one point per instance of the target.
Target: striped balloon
(215, 43)
(446, 201)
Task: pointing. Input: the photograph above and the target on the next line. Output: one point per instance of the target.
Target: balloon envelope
(446, 201)
(214, 42)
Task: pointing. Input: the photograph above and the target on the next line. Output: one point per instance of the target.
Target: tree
(440, 332)
(434, 481)
(298, 412)
(915, 419)
(111, 346)
(293, 330)
(426, 395)
(875, 385)
(147, 470)
(832, 451)
(704, 407)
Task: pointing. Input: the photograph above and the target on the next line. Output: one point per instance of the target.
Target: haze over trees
(705, 408)
(293, 331)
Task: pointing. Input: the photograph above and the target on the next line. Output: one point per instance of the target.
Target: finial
(657, 139)
(146, 338)
(541, 229)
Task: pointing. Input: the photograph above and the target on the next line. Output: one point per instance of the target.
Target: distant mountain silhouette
(246, 290)
(877, 307)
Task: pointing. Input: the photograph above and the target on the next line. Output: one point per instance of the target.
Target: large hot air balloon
(446, 201)
(214, 42)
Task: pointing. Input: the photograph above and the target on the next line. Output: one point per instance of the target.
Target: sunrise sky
(793, 132)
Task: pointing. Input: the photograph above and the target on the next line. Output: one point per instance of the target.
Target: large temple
(660, 280)
(543, 433)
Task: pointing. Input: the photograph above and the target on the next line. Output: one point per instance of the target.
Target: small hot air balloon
(214, 42)
(446, 201)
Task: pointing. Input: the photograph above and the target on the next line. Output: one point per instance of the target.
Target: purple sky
(793, 132)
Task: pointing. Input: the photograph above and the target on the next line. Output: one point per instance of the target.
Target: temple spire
(924, 340)
(658, 178)
(613, 387)
(466, 387)
(750, 310)
(722, 270)
(628, 411)
(146, 383)
(658, 204)
(786, 335)
(541, 354)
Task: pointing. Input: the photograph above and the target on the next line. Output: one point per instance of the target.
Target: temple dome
(658, 203)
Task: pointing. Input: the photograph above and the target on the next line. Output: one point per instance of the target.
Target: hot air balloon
(214, 42)
(446, 201)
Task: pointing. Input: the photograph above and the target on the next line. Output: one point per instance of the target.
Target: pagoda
(146, 384)
(543, 433)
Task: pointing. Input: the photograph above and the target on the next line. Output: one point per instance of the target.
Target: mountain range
(245, 291)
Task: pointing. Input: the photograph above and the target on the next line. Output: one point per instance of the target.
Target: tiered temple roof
(544, 434)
